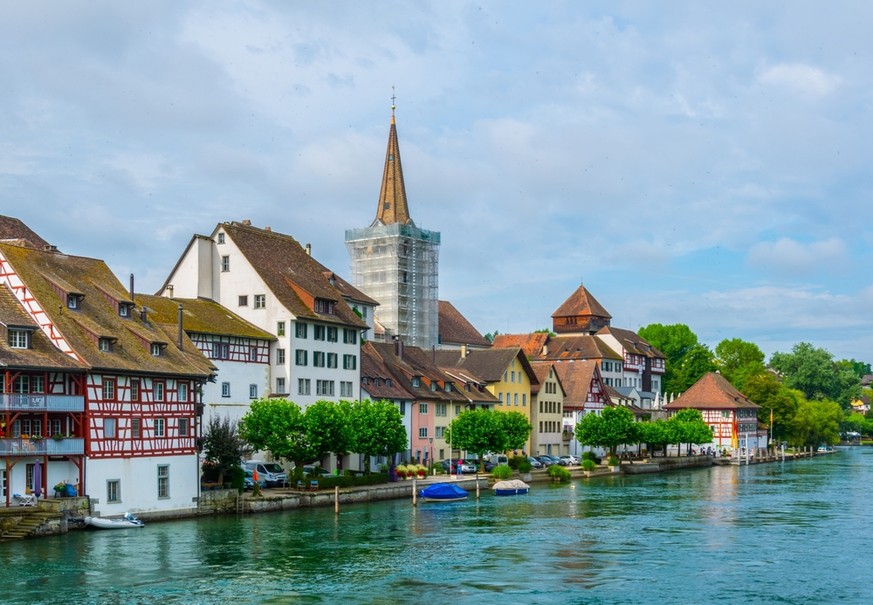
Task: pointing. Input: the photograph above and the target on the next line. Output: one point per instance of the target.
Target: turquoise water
(779, 533)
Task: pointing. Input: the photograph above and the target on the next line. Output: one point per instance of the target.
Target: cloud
(789, 256)
(797, 77)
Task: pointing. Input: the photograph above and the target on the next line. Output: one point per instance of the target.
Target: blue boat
(513, 487)
(442, 492)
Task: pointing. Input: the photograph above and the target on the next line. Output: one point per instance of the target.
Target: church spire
(392, 198)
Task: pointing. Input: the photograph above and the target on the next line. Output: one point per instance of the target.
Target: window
(350, 362)
(163, 481)
(243, 301)
(441, 409)
(184, 427)
(422, 408)
(253, 391)
(416, 381)
(440, 433)
(524, 399)
(280, 385)
(136, 428)
(300, 357)
(402, 407)
(345, 388)
(160, 427)
(109, 428)
(332, 334)
(182, 392)
(124, 309)
(303, 386)
(280, 328)
(113, 490)
(332, 360)
(318, 359)
(324, 306)
(220, 350)
(105, 345)
(253, 353)
(512, 376)
(221, 238)
(108, 390)
(433, 385)
(158, 391)
(134, 389)
(260, 301)
(280, 357)
(19, 339)
(225, 264)
(422, 432)
(74, 301)
(300, 329)
(350, 336)
(37, 384)
(318, 332)
(157, 349)
(324, 387)
(225, 389)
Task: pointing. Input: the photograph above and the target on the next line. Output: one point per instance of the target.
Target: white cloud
(800, 78)
(786, 255)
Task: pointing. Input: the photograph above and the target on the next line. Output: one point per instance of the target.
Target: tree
(687, 426)
(697, 361)
(676, 342)
(766, 391)
(654, 434)
(378, 429)
(738, 360)
(816, 422)
(327, 427)
(813, 372)
(222, 446)
(277, 426)
(476, 431)
(612, 427)
(515, 429)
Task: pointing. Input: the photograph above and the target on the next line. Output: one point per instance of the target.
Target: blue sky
(691, 162)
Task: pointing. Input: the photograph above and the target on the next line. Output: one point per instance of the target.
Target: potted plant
(588, 467)
(57, 436)
(613, 463)
(401, 471)
(421, 471)
(60, 489)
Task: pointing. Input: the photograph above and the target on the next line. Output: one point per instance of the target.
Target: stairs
(31, 521)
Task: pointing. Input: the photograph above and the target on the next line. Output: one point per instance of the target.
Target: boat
(512, 487)
(128, 521)
(443, 492)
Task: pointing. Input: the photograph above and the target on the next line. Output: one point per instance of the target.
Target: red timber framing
(135, 416)
(232, 348)
(42, 417)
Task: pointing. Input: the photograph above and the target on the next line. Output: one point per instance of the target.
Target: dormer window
(324, 306)
(416, 381)
(19, 338)
(158, 349)
(433, 385)
(74, 301)
(125, 309)
(448, 387)
(106, 344)
(221, 237)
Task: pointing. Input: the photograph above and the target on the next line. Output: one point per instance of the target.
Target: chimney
(267, 228)
(170, 290)
(247, 222)
(398, 346)
(179, 343)
(131, 288)
(545, 349)
(463, 351)
(308, 249)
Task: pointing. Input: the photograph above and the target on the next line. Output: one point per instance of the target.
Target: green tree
(277, 426)
(697, 361)
(687, 426)
(378, 430)
(814, 373)
(766, 391)
(816, 422)
(611, 428)
(476, 431)
(738, 360)
(327, 427)
(515, 429)
(676, 342)
(222, 446)
(654, 434)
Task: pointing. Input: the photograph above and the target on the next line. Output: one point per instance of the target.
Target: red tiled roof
(576, 377)
(13, 229)
(455, 329)
(532, 344)
(581, 302)
(711, 392)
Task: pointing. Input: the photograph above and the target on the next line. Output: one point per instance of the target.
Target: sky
(702, 163)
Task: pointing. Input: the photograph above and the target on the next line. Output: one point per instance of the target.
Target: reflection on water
(721, 535)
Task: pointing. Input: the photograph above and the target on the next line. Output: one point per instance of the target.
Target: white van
(270, 472)
(497, 459)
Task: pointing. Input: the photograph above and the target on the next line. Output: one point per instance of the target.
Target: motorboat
(128, 521)
(511, 487)
(443, 492)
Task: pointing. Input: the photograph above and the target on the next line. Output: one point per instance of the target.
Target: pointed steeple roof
(392, 198)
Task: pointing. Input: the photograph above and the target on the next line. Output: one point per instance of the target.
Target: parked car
(249, 480)
(314, 470)
(451, 466)
(272, 473)
(547, 460)
(569, 460)
(534, 462)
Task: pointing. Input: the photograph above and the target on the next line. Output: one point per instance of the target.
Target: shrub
(591, 456)
(558, 473)
(237, 478)
(501, 471)
(588, 464)
(524, 466)
(612, 461)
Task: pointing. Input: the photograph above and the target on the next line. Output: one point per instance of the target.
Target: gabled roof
(712, 392)
(201, 316)
(42, 354)
(393, 207)
(98, 315)
(349, 292)
(576, 377)
(14, 230)
(532, 344)
(489, 364)
(455, 329)
(632, 342)
(409, 363)
(581, 303)
(293, 276)
(381, 383)
(579, 346)
(542, 369)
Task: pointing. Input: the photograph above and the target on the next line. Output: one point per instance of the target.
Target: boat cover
(443, 491)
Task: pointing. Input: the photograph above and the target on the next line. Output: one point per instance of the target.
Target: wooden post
(336, 499)
(414, 502)
(477, 486)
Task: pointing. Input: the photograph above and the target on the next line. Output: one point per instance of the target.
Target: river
(791, 532)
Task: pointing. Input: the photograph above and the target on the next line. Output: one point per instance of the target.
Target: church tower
(397, 263)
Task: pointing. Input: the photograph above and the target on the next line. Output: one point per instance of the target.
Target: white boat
(511, 487)
(128, 521)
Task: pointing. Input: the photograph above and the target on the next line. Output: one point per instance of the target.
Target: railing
(40, 403)
(68, 446)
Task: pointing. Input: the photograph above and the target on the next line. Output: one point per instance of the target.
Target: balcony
(68, 446)
(42, 403)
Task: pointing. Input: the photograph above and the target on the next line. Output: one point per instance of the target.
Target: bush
(613, 461)
(524, 466)
(591, 456)
(237, 478)
(559, 473)
(588, 464)
(501, 471)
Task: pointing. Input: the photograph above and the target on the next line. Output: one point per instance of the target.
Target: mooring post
(336, 499)
(414, 490)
